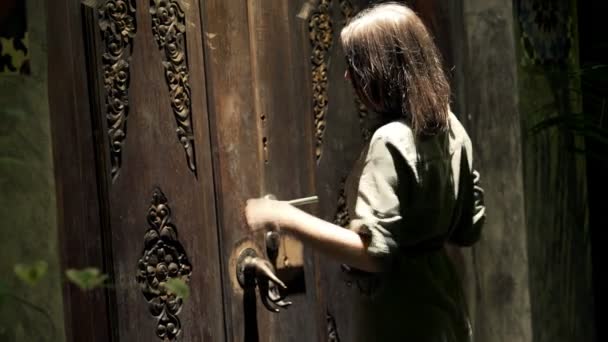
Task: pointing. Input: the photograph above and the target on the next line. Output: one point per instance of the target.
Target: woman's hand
(344, 245)
(264, 213)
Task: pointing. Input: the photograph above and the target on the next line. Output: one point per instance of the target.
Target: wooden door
(194, 110)
(146, 82)
(194, 107)
(258, 70)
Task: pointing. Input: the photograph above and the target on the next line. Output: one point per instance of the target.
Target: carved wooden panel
(340, 145)
(321, 38)
(169, 29)
(342, 218)
(118, 26)
(137, 88)
(163, 258)
(321, 29)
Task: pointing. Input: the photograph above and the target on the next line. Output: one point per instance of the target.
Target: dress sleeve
(377, 207)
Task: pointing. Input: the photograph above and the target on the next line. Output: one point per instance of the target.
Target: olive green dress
(408, 197)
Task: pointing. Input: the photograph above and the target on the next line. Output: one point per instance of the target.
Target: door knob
(252, 270)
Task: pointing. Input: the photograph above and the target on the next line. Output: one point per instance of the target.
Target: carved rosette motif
(321, 36)
(169, 29)
(117, 25)
(163, 258)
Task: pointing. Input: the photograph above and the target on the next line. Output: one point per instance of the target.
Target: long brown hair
(395, 67)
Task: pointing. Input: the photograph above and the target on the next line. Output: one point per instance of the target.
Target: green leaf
(178, 287)
(87, 278)
(31, 273)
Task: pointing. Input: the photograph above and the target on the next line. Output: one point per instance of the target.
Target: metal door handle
(252, 270)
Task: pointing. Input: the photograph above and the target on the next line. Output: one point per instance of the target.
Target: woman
(412, 191)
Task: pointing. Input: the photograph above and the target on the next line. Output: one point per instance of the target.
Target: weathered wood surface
(259, 104)
(78, 212)
(151, 156)
(496, 276)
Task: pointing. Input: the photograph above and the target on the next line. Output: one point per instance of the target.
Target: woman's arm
(370, 240)
(344, 245)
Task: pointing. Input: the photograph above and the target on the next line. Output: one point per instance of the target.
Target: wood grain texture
(498, 265)
(115, 227)
(79, 218)
(342, 144)
(154, 158)
(282, 92)
(235, 138)
(261, 143)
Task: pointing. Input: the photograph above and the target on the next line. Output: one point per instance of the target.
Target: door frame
(80, 214)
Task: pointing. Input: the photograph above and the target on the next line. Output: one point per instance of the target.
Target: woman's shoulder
(395, 137)
(399, 134)
(395, 132)
(398, 131)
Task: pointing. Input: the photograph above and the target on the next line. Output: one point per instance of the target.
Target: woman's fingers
(260, 213)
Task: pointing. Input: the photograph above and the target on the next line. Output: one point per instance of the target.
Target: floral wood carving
(320, 28)
(118, 26)
(342, 218)
(163, 258)
(169, 29)
(321, 36)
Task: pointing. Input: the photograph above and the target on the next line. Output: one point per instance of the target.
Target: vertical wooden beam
(79, 220)
(486, 85)
(234, 139)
